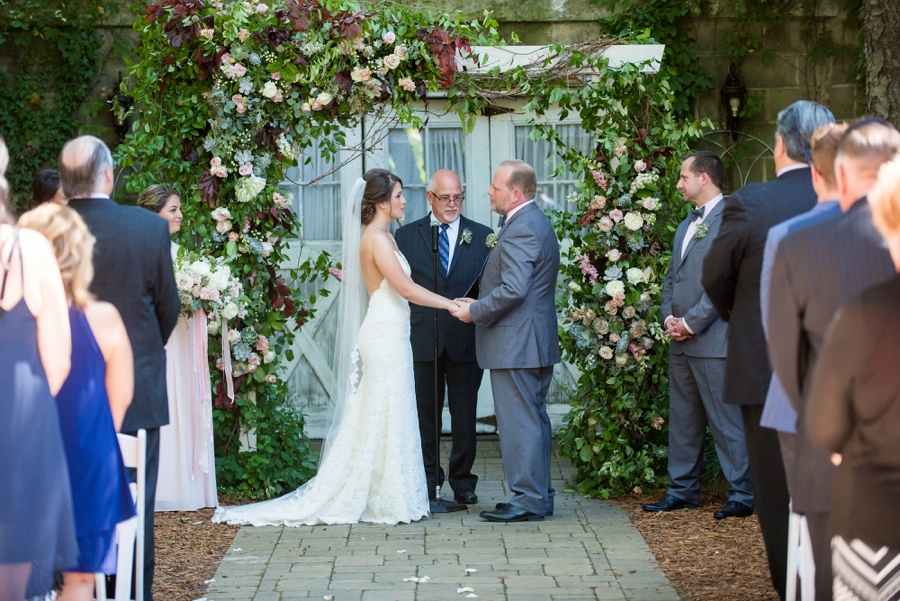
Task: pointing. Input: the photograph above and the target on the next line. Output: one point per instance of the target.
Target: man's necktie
(444, 248)
(697, 213)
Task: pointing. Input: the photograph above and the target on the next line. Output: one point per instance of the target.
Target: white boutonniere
(491, 240)
(701, 231)
(466, 236)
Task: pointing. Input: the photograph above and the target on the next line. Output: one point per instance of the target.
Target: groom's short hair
(521, 177)
(708, 162)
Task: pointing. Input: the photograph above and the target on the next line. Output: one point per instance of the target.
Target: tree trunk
(882, 24)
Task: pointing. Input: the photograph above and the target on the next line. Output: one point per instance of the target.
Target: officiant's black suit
(133, 271)
(457, 364)
(731, 277)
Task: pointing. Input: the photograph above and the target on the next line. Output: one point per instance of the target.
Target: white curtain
(317, 205)
(552, 192)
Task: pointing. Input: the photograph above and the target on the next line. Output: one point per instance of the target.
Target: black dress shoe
(511, 513)
(467, 497)
(502, 505)
(669, 503)
(733, 509)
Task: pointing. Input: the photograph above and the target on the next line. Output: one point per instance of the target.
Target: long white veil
(352, 306)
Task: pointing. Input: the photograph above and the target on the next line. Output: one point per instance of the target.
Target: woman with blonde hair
(37, 531)
(187, 463)
(854, 412)
(91, 402)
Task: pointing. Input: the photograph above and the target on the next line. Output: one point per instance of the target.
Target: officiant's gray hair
(83, 173)
(521, 177)
(796, 125)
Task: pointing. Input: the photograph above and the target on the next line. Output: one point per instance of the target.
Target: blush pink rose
(616, 215)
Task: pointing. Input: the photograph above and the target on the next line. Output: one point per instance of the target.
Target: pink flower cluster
(262, 344)
(240, 103)
(588, 269)
(216, 168)
(599, 179)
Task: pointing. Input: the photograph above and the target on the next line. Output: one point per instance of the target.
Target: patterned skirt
(862, 573)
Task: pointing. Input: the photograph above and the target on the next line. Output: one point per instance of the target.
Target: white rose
(634, 275)
(269, 89)
(235, 290)
(184, 281)
(324, 98)
(633, 221)
(392, 61)
(269, 357)
(648, 274)
(220, 278)
(614, 255)
(574, 287)
(606, 352)
(212, 328)
(615, 287)
(649, 203)
(234, 336)
(223, 226)
(621, 360)
(200, 268)
(267, 249)
(230, 311)
(221, 214)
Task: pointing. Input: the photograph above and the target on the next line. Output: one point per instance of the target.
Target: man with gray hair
(133, 271)
(731, 277)
(816, 270)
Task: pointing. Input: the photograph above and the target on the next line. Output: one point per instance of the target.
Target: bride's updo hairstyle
(379, 187)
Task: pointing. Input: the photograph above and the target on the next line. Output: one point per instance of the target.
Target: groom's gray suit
(516, 337)
(697, 373)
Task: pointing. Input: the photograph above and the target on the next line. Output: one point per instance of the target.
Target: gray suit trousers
(520, 403)
(695, 398)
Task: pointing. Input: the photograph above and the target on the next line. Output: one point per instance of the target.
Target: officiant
(462, 250)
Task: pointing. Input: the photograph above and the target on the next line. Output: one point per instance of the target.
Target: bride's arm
(390, 268)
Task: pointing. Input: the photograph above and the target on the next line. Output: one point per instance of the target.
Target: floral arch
(229, 95)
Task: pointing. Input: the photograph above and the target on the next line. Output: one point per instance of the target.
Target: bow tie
(696, 214)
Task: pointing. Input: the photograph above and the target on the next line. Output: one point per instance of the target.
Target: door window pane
(318, 205)
(415, 155)
(552, 192)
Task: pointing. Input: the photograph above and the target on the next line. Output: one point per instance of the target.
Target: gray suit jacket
(683, 294)
(817, 269)
(515, 314)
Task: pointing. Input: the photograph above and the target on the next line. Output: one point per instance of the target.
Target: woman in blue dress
(91, 402)
(37, 533)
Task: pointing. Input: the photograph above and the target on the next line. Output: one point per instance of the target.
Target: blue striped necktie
(444, 248)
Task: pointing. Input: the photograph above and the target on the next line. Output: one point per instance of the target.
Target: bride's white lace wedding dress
(374, 470)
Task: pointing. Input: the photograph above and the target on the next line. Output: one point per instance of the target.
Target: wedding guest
(731, 277)
(133, 271)
(817, 269)
(778, 413)
(187, 465)
(697, 354)
(92, 402)
(462, 251)
(37, 530)
(45, 188)
(854, 411)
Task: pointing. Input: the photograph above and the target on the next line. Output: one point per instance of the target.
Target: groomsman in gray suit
(516, 338)
(697, 354)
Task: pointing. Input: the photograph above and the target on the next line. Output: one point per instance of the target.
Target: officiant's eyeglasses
(458, 198)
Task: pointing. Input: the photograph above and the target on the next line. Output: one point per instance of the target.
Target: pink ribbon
(201, 418)
(226, 359)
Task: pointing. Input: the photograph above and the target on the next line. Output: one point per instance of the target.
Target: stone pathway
(587, 550)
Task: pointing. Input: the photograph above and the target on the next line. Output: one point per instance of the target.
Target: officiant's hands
(462, 309)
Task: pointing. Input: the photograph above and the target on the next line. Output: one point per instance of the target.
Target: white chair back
(130, 533)
(800, 560)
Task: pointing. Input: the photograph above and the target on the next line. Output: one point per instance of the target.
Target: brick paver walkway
(587, 550)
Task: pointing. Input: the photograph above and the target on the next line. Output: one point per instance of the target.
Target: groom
(516, 338)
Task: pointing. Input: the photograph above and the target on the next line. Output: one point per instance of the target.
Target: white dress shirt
(452, 235)
(516, 210)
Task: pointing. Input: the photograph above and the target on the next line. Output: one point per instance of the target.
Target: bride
(371, 468)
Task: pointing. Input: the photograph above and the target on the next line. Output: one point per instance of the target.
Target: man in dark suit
(461, 252)
(817, 269)
(731, 277)
(133, 271)
(697, 354)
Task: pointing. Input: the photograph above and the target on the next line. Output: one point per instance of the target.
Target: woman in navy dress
(91, 402)
(37, 533)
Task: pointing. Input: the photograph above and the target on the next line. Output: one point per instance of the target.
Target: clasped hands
(676, 329)
(461, 312)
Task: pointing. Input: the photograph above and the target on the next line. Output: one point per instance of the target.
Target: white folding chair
(800, 559)
(130, 533)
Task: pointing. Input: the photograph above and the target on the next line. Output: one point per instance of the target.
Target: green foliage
(54, 52)
(668, 22)
(614, 256)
